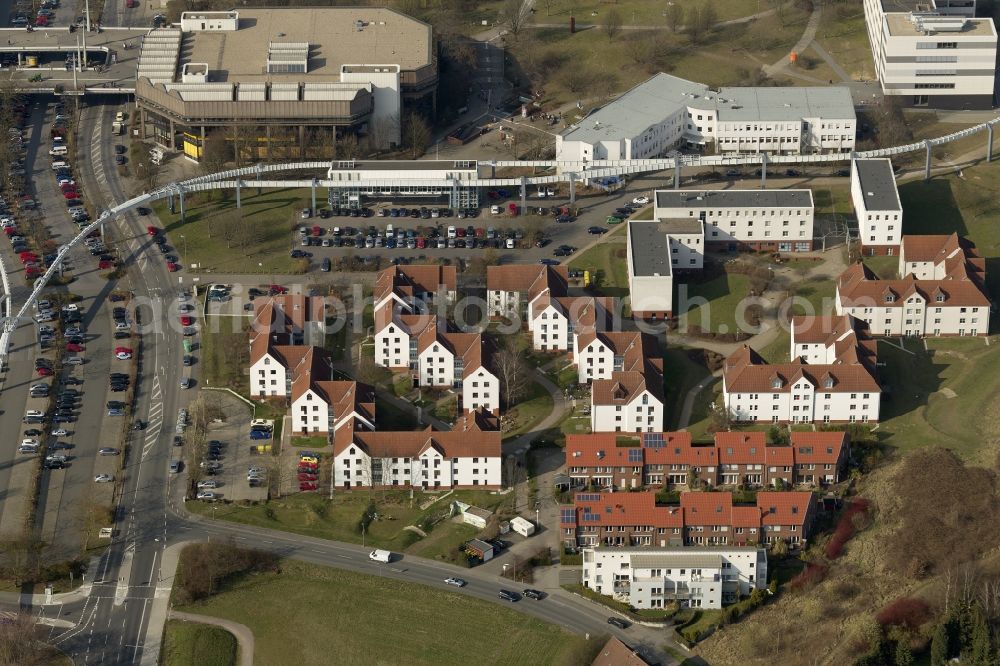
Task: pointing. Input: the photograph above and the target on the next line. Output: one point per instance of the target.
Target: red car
(307, 477)
(308, 470)
(74, 347)
(44, 372)
(41, 21)
(122, 350)
(105, 264)
(69, 194)
(316, 230)
(421, 242)
(278, 289)
(186, 320)
(10, 231)
(152, 231)
(305, 486)
(172, 267)
(66, 186)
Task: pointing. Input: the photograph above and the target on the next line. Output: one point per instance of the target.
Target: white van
(58, 150)
(451, 232)
(59, 164)
(380, 556)
(389, 231)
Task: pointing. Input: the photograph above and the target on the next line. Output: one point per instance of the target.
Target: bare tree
(215, 153)
(675, 16)
(512, 370)
(19, 643)
(701, 22)
(416, 134)
(779, 7)
(513, 16)
(612, 23)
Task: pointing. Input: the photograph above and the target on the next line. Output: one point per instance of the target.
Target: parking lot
(227, 444)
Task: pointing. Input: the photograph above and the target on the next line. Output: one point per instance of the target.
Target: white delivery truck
(118, 127)
(380, 556)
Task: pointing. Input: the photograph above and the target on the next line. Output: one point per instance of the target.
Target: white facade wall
(643, 414)
(354, 468)
(803, 404)
(656, 577)
(436, 366)
(310, 413)
(481, 389)
(268, 376)
(595, 361)
(789, 225)
(392, 347)
(502, 303)
(922, 270)
(687, 251)
(549, 330)
(385, 125)
(917, 318)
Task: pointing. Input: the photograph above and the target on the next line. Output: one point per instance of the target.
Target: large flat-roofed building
(355, 181)
(655, 251)
(284, 82)
(767, 220)
(933, 53)
(665, 111)
(876, 205)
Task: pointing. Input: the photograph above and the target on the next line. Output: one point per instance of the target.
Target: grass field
(531, 410)
(845, 38)
(887, 268)
(946, 394)
(606, 263)
(311, 442)
(320, 615)
(722, 293)
(188, 643)
(339, 518)
(219, 237)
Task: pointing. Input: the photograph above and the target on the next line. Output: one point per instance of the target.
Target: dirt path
(244, 637)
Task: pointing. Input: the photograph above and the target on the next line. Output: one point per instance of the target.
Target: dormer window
(776, 383)
(828, 382)
(890, 298)
(939, 297)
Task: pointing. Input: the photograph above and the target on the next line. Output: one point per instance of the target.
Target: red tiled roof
(934, 248)
(451, 444)
(628, 509)
(616, 653)
(707, 508)
(527, 278)
(818, 448)
(314, 366)
(859, 287)
(784, 508)
(741, 448)
(414, 279)
(746, 372)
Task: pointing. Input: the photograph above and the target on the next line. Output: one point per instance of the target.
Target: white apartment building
(757, 220)
(414, 287)
(630, 401)
(600, 354)
(422, 459)
(666, 111)
(955, 305)
(655, 250)
(511, 288)
(457, 361)
(693, 577)
(397, 334)
(936, 257)
(320, 407)
(876, 205)
(798, 392)
(830, 339)
(933, 52)
(556, 322)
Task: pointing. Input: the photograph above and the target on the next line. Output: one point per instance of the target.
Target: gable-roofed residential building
(616, 653)
(510, 288)
(831, 339)
(556, 321)
(670, 460)
(413, 286)
(798, 392)
(322, 406)
(626, 377)
(953, 304)
(458, 361)
(468, 458)
(701, 519)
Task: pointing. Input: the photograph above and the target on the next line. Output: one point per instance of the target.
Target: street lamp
(184, 238)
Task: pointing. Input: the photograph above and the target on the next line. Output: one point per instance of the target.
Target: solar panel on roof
(587, 497)
(635, 455)
(654, 440)
(592, 517)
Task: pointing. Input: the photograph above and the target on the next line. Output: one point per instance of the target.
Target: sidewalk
(808, 35)
(160, 608)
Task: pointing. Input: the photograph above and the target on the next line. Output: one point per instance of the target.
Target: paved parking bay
(234, 433)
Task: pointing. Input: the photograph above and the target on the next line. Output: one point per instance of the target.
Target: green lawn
(680, 374)
(390, 417)
(219, 237)
(311, 442)
(778, 350)
(532, 409)
(887, 268)
(946, 395)
(701, 409)
(606, 263)
(845, 38)
(188, 643)
(321, 615)
(833, 199)
(814, 296)
(339, 518)
(711, 304)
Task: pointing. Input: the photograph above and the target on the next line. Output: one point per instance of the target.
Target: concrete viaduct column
(927, 165)
(524, 194)
(763, 171)
(312, 187)
(572, 189)
(180, 195)
(677, 171)
(989, 142)
(239, 182)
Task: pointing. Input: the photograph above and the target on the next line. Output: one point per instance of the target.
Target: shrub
(909, 612)
(855, 514)
(811, 575)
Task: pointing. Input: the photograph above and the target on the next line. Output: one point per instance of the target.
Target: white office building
(755, 220)
(876, 205)
(933, 52)
(665, 111)
(693, 577)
